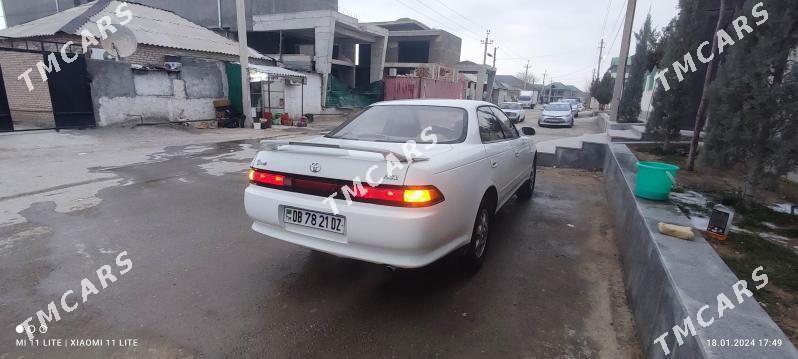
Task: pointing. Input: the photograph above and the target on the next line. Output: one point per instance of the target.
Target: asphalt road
(202, 284)
(583, 124)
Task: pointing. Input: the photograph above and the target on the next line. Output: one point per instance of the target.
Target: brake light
(401, 196)
(266, 178)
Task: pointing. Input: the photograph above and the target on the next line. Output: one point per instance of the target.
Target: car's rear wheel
(475, 252)
(528, 188)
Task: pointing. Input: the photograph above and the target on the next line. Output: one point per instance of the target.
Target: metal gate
(5, 111)
(70, 93)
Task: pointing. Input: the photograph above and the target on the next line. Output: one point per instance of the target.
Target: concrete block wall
(121, 94)
(29, 109)
(669, 279)
(445, 49)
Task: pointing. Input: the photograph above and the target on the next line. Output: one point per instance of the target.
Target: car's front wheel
(528, 188)
(475, 252)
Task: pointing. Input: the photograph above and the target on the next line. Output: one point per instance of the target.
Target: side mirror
(528, 131)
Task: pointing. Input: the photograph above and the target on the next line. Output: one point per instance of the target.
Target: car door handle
(518, 153)
(494, 164)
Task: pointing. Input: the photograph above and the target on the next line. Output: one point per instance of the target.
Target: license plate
(312, 219)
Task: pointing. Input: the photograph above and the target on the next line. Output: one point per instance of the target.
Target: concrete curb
(590, 156)
(668, 280)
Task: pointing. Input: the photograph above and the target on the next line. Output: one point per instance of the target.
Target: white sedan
(403, 183)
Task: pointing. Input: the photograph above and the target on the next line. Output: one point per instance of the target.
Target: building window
(414, 51)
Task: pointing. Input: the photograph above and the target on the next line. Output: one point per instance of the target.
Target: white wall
(313, 96)
(648, 95)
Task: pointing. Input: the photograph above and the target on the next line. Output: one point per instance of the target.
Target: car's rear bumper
(397, 236)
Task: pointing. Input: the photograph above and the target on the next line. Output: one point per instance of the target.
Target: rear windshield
(402, 123)
(558, 107)
(524, 98)
(510, 106)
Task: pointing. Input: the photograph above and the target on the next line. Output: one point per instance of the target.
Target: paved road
(583, 124)
(202, 284)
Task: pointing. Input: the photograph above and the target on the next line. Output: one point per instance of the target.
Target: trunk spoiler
(276, 145)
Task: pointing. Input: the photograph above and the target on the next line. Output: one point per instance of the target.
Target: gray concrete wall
(445, 49)
(120, 94)
(263, 7)
(669, 279)
(203, 80)
(21, 11)
(202, 12)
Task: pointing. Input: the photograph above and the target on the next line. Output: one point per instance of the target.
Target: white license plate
(312, 219)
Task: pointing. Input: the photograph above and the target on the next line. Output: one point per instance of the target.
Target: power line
(431, 19)
(459, 14)
(546, 55)
(466, 29)
(606, 16)
(620, 24)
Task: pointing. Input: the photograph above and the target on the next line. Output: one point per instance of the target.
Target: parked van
(527, 99)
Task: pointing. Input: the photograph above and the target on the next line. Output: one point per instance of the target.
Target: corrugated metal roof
(151, 26)
(279, 71)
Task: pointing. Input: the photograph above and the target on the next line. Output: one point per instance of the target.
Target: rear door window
(490, 129)
(507, 127)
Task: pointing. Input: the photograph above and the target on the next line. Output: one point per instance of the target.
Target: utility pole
(494, 56)
(486, 42)
(482, 77)
(243, 55)
(526, 75)
(617, 91)
(700, 117)
(601, 54)
(542, 87)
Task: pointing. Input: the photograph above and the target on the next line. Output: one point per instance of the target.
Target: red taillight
(266, 178)
(403, 196)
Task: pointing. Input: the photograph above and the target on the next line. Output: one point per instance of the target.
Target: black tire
(528, 188)
(477, 249)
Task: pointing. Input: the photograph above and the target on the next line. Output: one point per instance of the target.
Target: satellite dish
(121, 43)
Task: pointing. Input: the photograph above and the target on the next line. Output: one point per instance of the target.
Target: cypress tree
(602, 90)
(753, 103)
(675, 109)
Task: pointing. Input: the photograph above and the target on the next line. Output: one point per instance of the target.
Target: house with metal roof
(107, 62)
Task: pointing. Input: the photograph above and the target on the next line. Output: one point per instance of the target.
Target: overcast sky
(557, 36)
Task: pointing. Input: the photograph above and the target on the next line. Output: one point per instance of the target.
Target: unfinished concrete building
(412, 44)
(324, 41)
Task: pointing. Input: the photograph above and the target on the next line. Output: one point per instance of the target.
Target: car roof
(464, 104)
(559, 103)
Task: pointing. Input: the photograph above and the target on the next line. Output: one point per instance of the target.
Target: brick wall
(28, 108)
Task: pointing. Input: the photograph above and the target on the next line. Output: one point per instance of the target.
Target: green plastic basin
(655, 180)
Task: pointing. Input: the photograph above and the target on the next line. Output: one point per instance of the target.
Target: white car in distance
(403, 183)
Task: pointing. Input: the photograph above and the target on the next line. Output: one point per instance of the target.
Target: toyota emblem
(315, 167)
